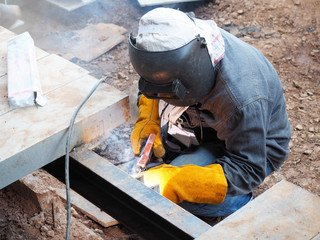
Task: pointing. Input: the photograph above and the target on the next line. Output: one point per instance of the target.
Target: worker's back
(247, 109)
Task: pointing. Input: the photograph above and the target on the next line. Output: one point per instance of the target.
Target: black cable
(67, 156)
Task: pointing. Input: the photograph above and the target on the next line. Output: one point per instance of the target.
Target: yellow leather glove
(189, 183)
(148, 122)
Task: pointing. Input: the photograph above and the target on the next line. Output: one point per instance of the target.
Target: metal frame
(126, 199)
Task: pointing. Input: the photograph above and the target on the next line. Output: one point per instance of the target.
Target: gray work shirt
(247, 110)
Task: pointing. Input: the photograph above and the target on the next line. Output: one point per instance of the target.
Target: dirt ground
(285, 31)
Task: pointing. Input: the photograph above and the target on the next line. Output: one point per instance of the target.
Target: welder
(217, 107)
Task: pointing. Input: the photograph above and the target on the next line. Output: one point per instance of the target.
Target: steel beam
(126, 199)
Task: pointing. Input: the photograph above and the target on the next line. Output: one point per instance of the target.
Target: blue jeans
(203, 156)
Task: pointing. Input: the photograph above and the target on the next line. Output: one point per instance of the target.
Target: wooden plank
(93, 41)
(56, 71)
(285, 211)
(5, 35)
(144, 3)
(33, 137)
(86, 207)
(4, 102)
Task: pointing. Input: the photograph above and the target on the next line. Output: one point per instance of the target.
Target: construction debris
(93, 41)
(24, 84)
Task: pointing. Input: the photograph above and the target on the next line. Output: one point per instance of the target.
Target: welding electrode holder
(146, 153)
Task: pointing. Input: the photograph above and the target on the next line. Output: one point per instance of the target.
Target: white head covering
(164, 29)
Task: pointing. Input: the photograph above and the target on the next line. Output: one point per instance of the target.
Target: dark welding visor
(181, 76)
(173, 90)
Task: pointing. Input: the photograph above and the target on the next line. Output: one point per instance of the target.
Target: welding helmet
(181, 77)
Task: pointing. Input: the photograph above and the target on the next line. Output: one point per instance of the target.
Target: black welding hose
(67, 156)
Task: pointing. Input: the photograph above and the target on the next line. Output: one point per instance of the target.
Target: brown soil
(286, 32)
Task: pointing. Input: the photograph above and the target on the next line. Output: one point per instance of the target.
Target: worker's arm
(148, 122)
(249, 134)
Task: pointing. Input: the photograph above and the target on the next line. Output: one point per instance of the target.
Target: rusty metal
(126, 199)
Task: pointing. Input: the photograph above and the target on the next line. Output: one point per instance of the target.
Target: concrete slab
(285, 211)
(33, 137)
